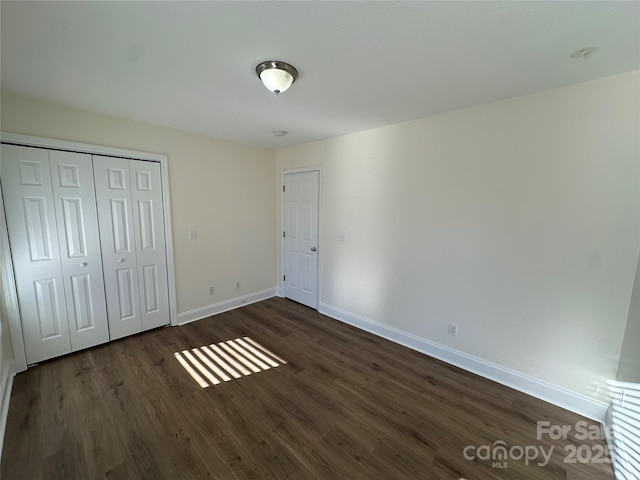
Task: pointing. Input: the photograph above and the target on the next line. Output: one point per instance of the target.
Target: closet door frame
(20, 360)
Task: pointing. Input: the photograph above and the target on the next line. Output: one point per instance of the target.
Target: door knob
(120, 260)
(83, 264)
(313, 249)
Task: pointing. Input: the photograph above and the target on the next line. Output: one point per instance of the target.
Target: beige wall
(517, 220)
(222, 190)
(629, 368)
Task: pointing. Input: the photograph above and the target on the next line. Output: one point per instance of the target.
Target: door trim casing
(280, 291)
(53, 144)
(10, 296)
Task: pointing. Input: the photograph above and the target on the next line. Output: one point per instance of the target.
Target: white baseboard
(524, 383)
(215, 308)
(5, 397)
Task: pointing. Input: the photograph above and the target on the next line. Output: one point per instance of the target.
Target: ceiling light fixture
(277, 76)
(279, 133)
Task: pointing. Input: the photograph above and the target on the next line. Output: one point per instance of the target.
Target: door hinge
(283, 235)
(283, 188)
(284, 277)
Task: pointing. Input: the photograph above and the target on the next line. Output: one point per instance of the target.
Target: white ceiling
(190, 65)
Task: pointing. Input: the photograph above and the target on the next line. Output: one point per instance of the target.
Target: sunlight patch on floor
(220, 362)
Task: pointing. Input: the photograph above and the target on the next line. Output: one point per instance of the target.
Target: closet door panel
(148, 222)
(77, 219)
(31, 221)
(117, 238)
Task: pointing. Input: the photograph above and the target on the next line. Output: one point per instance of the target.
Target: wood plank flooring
(347, 405)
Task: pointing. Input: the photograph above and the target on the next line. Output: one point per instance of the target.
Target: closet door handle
(120, 260)
(83, 264)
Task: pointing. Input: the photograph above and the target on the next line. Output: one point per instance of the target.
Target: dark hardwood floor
(347, 405)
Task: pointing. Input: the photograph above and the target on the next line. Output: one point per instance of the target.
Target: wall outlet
(453, 329)
(212, 290)
(342, 236)
(237, 284)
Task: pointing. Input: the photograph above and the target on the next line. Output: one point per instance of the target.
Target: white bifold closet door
(129, 196)
(51, 217)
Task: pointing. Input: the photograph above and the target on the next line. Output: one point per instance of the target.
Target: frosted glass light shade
(276, 76)
(276, 80)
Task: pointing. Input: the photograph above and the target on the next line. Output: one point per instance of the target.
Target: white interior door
(151, 256)
(115, 215)
(31, 221)
(301, 237)
(77, 225)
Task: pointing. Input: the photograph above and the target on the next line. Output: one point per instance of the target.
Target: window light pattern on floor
(220, 362)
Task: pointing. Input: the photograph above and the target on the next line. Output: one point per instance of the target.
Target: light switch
(192, 234)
